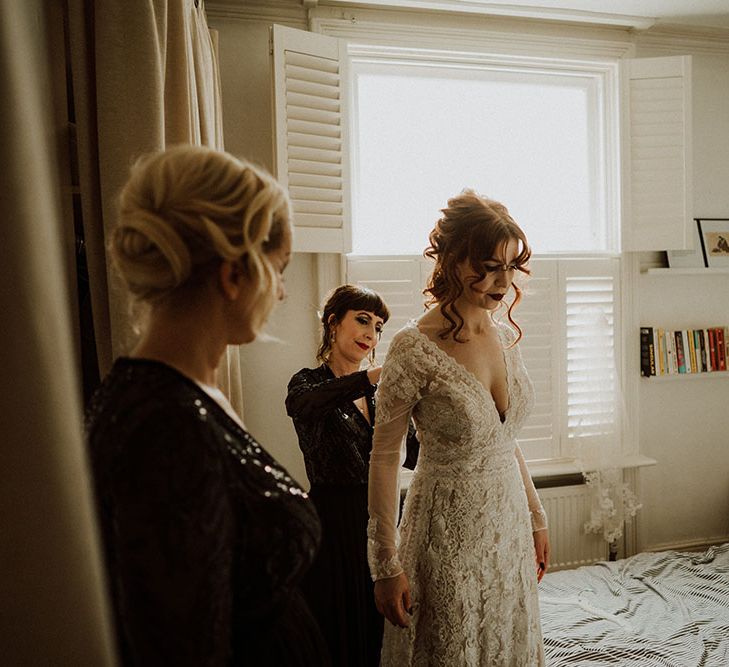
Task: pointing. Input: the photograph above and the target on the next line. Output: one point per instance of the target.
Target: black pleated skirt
(338, 586)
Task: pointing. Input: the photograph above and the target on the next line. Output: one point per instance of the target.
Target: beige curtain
(51, 584)
(145, 76)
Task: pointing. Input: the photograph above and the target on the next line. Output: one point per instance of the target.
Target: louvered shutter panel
(657, 153)
(591, 311)
(310, 137)
(570, 319)
(399, 281)
(539, 317)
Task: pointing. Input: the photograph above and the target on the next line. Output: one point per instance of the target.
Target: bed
(668, 609)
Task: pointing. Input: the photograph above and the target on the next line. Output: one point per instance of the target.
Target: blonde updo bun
(185, 209)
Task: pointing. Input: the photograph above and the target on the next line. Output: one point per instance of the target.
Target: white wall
(683, 423)
(268, 365)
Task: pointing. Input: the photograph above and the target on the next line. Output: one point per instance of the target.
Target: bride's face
(488, 292)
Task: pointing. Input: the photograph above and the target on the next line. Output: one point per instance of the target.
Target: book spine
(646, 340)
(660, 341)
(697, 349)
(687, 344)
(721, 347)
(702, 345)
(655, 362)
(671, 352)
(712, 350)
(707, 343)
(680, 355)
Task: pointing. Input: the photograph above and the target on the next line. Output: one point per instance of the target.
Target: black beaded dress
(206, 537)
(336, 441)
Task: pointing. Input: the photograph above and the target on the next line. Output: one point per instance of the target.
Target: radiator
(568, 508)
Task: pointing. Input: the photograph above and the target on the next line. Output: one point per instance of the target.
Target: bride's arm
(538, 516)
(397, 393)
(392, 590)
(536, 511)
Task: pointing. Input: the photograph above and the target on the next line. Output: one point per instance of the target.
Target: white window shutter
(310, 137)
(399, 281)
(570, 319)
(540, 319)
(657, 153)
(592, 355)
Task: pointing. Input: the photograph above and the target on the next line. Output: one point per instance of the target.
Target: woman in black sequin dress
(206, 537)
(333, 410)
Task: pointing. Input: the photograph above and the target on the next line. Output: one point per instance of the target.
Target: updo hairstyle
(340, 301)
(476, 228)
(186, 209)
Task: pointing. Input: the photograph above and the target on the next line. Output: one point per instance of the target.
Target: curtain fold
(51, 580)
(145, 77)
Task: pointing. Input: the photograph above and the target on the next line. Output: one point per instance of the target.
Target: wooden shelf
(688, 272)
(687, 376)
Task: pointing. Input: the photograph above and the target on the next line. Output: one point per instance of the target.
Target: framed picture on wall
(688, 259)
(714, 234)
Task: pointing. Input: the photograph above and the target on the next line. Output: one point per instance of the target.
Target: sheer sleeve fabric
(309, 396)
(536, 511)
(399, 390)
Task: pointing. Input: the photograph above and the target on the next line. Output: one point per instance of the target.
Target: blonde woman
(206, 536)
(460, 586)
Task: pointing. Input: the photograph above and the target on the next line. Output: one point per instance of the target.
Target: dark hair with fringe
(340, 301)
(476, 228)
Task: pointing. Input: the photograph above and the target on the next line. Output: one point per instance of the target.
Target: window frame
(606, 75)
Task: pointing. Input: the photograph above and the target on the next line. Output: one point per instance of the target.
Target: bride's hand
(392, 599)
(541, 552)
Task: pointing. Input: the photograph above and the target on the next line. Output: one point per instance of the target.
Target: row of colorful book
(668, 352)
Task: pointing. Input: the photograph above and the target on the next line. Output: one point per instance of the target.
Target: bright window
(532, 138)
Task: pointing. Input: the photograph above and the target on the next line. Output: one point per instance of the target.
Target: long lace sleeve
(309, 396)
(398, 391)
(536, 511)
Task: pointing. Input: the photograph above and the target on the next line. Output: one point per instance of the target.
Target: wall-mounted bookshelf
(687, 272)
(669, 353)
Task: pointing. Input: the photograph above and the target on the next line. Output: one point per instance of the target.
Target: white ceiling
(639, 13)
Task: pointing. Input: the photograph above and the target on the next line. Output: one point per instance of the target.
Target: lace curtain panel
(613, 503)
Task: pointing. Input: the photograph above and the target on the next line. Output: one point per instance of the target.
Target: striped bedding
(666, 609)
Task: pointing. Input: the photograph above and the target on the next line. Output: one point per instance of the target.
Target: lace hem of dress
(539, 519)
(380, 568)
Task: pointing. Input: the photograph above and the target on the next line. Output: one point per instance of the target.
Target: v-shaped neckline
(471, 376)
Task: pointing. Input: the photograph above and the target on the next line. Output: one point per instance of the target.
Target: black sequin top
(334, 436)
(205, 535)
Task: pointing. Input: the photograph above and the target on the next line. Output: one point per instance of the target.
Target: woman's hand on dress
(541, 550)
(374, 374)
(392, 599)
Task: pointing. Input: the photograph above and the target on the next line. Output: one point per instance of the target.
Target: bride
(459, 584)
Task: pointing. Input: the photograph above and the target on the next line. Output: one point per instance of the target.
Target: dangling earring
(334, 335)
(372, 358)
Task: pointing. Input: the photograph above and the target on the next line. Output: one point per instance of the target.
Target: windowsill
(539, 469)
(542, 469)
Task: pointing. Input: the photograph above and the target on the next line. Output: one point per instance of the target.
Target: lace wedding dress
(465, 539)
